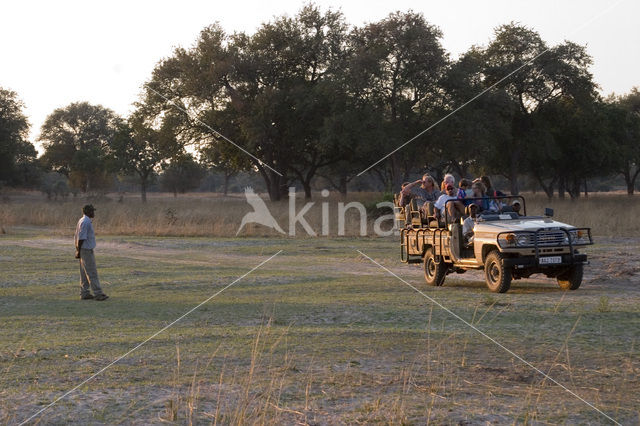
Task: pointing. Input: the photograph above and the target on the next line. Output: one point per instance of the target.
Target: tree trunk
(586, 189)
(307, 189)
(513, 179)
(575, 188)
(396, 176)
(561, 188)
(342, 186)
(272, 181)
(513, 174)
(227, 176)
(548, 189)
(143, 189)
(630, 179)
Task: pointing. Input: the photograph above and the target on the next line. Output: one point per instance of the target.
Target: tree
(17, 154)
(138, 148)
(77, 140)
(624, 130)
(181, 174)
(537, 74)
(569, 143)
(463, 141)
(270, 81)
(396, 66)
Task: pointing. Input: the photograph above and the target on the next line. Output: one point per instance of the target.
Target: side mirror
(548, 212)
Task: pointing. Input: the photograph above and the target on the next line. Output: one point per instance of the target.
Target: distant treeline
(310, 97)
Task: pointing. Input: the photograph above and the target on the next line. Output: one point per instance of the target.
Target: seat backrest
(430, 208)
(456, 240)
(414, 213)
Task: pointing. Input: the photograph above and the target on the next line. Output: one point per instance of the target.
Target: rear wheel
(434, 273)
(498, 277)
(571, 279)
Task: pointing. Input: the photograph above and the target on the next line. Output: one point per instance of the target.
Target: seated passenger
(495, 205)
(446, 181)
(516, 206)
(464, 191)
(490, 190)
(454, 209)
(469, 223)
(404, 198)
(478, 191)
(422, 190)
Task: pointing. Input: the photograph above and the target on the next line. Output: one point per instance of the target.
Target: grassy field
(317, 335)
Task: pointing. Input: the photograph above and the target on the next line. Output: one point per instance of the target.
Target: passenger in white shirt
(469, 223)
(454, 209)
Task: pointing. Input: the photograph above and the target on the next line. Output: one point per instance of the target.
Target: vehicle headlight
(581, 237)
(507, 240)
(523, 240)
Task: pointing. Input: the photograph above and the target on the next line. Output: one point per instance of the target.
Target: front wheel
(498, 277)
(572, 278)
(434, 273)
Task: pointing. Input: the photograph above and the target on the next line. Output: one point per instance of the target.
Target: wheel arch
(486, 249)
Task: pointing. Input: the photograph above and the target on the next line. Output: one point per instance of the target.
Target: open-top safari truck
(506, 244)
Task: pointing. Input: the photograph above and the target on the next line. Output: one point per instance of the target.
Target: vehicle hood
(523, 224)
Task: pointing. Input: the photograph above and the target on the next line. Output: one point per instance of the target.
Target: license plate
(550, 260)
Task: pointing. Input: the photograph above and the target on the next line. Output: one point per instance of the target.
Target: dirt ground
(318, 335)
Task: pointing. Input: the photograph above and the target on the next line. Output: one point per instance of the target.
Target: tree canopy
(309, 96)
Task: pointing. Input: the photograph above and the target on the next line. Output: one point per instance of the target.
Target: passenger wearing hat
(516, 206)
(85, 240)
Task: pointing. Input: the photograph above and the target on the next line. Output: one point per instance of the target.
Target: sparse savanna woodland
(215, 317)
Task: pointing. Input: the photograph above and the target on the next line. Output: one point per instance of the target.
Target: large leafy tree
(181, 174)
(569, 144)
(77, 140)
(271, 81)
(17, 154)
(396, 66)
(624, 131)
(220, 155)
(536, 74)
(140, 148)
(463, 140)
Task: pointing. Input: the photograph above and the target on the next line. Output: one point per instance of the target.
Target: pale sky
(54, 53)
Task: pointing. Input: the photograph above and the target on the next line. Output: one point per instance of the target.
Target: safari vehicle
(506, 245)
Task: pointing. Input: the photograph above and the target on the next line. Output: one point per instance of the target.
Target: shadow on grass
(517, 286)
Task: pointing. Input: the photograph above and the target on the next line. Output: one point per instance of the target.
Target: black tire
(572, 278)
(434, 273)
(498, 277)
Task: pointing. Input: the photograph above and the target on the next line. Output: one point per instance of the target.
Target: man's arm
(407, 189)
(78, 247)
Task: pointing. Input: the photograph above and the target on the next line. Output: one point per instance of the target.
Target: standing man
(85, 243)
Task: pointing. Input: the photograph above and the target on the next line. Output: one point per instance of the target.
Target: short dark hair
(88, 208)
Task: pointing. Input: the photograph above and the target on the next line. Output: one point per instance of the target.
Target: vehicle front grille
(551, 238)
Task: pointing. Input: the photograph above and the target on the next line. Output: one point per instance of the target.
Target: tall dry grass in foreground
(214, 215)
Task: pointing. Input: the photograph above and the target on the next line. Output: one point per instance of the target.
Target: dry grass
(216, 216)
(164, 215)
(314, 337)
